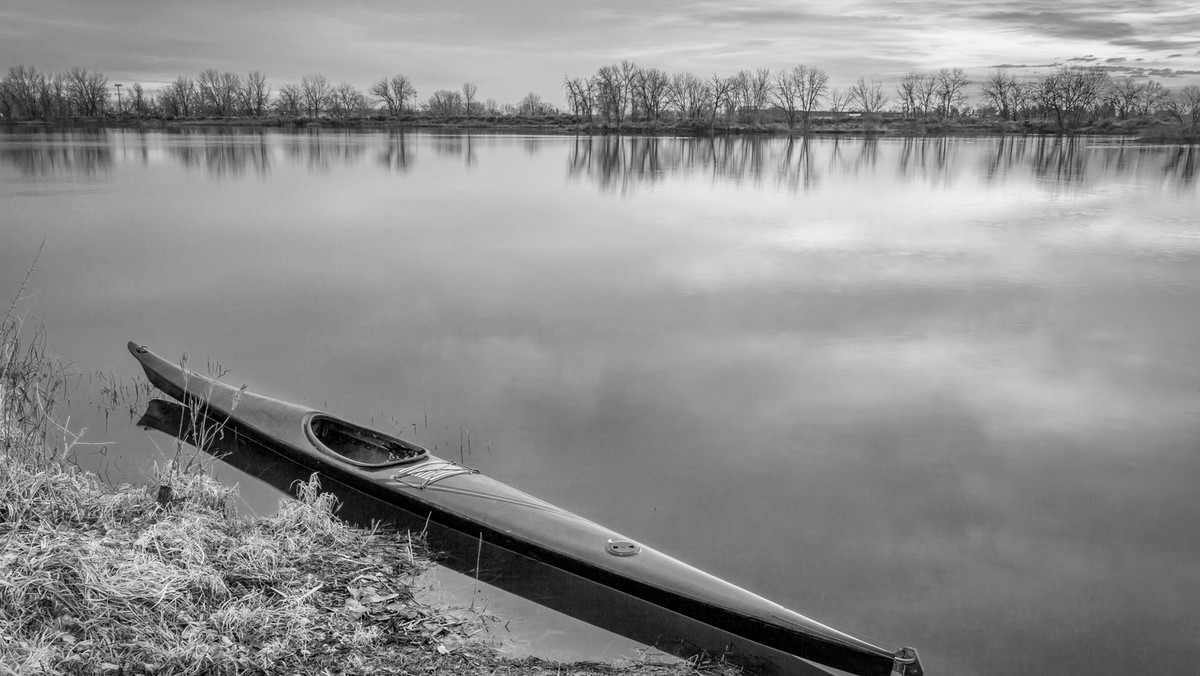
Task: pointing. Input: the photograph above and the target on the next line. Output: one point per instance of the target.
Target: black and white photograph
(531, 338)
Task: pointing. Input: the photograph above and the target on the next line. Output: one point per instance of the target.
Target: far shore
(1146, 129)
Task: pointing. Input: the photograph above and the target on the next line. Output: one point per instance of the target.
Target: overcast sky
(518, 46)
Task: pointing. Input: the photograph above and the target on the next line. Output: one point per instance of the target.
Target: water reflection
(319, 150)
(616, 164)
(923, 157)
(222, 156)
(43, 153)
(619, 163)
(1082, 162)
(457, 145)
(969, 363)
(1181, 165)
(396, 153)
(797, 170)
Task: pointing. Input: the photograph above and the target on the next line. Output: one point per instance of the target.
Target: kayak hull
(474, 509)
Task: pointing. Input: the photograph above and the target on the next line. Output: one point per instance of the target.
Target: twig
(478, 557)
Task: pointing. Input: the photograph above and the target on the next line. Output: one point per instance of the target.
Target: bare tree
(218, 91)
(628, 72)
(346, 101)
(403, 91)
(290, 101)
(1184, 106)
(531, 105)
(1153, 97)
(382, 91)
(21, 92)
(6, 104)
(1124, 95)
(868, 95)
(315, 91)
(255, 94)
(650, 92)
(444, 103)
(1024, 99)
(739, 97)
(999, 89)
(906, 93)
(926, 91)
(1071, 91)
(838, 100)
(468, 96)
(1051, 97)
(612, 93)
(230, 88)
(180, 97)
(87, 91)
(720, 94)
(689, 95)
(949, 88)
(165, 103)
(813, 83)
(137, 99)
(206, 88)
(757, 92)
(785, 94)
(54, 101)
(799, 90)
(580, 96)
(394, 93)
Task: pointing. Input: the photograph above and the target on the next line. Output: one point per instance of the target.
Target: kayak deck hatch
(359, 445)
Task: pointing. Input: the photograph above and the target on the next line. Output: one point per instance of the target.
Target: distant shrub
(1162, 133)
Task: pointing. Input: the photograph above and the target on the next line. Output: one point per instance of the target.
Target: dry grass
(170, 581)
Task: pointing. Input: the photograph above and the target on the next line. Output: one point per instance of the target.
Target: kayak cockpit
(359, 445)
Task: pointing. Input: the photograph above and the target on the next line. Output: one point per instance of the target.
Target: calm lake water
(945, 393)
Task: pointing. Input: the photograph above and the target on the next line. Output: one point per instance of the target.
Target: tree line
(1069, 96)
(27, 94)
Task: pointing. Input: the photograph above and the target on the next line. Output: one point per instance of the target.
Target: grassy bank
(166, 579)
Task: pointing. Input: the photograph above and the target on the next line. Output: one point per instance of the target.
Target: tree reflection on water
(617, 164)
(41, 152)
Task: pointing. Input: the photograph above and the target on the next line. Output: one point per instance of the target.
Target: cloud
(1061, 23)
(509, 49)
(1169, 73)
(1155, 44)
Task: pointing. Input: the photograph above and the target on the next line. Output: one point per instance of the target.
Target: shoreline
(1146, 129)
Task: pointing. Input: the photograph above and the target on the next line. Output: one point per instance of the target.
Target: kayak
(382, 475)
